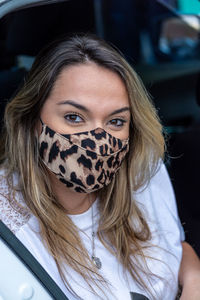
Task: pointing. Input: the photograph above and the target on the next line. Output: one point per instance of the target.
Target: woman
(82, 181)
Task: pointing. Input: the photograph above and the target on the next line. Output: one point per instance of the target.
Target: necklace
(95, 259)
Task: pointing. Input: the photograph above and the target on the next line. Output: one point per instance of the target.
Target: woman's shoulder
(159, 189)
(13, 212)
(157, 202)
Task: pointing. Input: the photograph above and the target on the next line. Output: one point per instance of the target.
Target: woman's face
(85, 97)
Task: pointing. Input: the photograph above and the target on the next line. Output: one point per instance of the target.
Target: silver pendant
(97, 262)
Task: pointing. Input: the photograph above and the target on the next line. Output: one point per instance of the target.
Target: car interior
(159, 38)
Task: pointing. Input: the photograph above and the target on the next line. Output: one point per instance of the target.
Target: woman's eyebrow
(117, 111)
(84, 108)
(73, 103)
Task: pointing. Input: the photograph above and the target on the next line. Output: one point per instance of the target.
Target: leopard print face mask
(85, 161)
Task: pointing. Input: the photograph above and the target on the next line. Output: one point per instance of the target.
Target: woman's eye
(73, 118)
(117, 122)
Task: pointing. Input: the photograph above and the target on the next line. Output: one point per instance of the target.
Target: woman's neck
(73, 202)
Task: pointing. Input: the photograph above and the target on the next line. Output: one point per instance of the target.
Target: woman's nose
(97, 124)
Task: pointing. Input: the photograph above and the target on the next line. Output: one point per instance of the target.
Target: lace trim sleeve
(13, 212)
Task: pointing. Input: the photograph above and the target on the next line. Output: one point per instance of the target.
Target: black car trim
(32, 264)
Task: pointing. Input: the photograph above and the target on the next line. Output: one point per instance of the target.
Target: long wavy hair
(19, 153)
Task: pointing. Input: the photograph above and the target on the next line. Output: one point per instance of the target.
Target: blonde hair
(19, 153)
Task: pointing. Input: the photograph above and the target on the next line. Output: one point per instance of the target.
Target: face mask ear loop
(42, 124)
(41, 121)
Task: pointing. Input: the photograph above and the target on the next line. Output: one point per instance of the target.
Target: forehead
(90, 83)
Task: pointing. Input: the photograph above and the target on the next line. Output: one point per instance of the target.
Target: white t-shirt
(158, 205)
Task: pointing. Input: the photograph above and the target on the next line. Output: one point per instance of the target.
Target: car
(163, 48)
